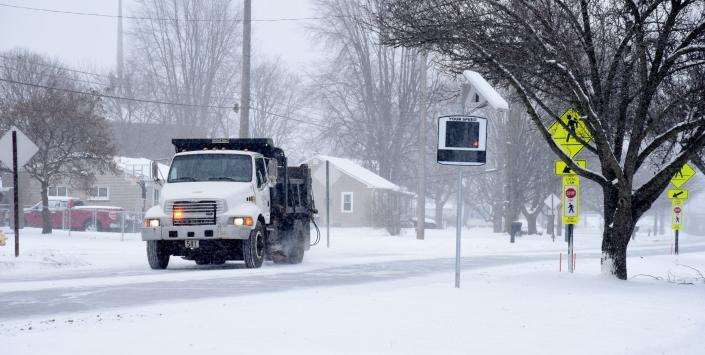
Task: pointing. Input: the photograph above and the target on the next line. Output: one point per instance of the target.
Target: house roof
(354, 170)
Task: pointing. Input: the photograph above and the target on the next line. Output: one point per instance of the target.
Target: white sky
(87, 41)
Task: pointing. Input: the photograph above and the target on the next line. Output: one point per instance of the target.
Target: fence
(93, 219)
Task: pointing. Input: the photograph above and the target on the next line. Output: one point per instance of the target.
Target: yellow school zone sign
(683, 176)
(565, 134)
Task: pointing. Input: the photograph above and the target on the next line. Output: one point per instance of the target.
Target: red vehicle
(68, 211)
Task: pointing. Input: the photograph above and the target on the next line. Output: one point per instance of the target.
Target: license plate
(193, 244)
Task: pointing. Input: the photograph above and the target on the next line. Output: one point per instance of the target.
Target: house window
(155, 196)
(58, 191)
(347, 202)
(99, 193)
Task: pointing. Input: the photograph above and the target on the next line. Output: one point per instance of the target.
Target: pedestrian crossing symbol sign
(565, 134)
(683, 176)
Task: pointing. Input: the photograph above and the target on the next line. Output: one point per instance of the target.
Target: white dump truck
(230, 199)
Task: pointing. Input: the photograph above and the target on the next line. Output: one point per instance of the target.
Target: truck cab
(228, 199)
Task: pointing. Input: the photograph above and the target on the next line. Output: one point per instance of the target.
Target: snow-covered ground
(369, 293)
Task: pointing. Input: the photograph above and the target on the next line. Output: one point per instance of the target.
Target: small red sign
(677, 210)
(570, 192)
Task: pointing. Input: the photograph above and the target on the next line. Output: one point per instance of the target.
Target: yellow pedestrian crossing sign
(683, 176)
(563, 169)
(565, 134)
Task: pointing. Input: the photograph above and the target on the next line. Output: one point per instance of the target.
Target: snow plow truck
(230, 199)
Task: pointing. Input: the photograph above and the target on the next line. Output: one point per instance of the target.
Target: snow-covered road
(106, 289)
(368, 294)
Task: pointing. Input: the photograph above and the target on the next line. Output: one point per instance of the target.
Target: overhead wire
(148, 18)
(108, 86)
(158, 102)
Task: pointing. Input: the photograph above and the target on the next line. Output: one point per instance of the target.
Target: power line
(108, 86)
(107, 96)
(54, 66)
(143, 18)
(58, 76)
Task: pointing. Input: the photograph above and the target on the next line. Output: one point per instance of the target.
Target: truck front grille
(192, 213)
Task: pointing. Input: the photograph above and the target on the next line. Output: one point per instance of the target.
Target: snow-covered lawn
(368, 294)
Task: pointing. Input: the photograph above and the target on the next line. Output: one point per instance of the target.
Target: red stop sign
(677, 210)
(570, 192)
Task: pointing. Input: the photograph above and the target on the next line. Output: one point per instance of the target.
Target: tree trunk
(439, 213)
(614, 254)
(619, 225)
(46, 222)
(531, 224)
(531, 218)
(497, 219)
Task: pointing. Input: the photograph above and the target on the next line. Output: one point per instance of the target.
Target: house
(358, 197)
(130, 188)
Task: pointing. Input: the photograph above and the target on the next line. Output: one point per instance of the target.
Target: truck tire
(89, 226)
(253, 248)
(297, 248)
(293, 246)
(157, 255)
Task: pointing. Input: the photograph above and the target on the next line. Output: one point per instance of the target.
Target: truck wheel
(202, 260)
(157, 255)
(253, 248)
(296, 251)
(89, 226)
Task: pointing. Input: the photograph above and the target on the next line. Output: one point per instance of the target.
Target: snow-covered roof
(140, 167)
(354, 170)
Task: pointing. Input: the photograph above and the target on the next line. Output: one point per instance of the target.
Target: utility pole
(120, 59)
(245, 80)
(421, 163)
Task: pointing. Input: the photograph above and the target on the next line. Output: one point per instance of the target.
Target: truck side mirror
(272, 172)
(155, 173)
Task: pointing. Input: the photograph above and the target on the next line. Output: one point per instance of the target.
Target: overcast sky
(87, 41)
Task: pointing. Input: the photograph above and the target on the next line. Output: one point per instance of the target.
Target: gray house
(359, 197)
(123, 189)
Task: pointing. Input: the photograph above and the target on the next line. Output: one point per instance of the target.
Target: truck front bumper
(195, 232)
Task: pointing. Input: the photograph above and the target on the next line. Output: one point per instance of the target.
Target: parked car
(65, 212)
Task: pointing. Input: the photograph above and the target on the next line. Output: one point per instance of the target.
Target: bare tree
(369, 91)
(630, 68)
(277, 96)
(187, 54)
(68, 127)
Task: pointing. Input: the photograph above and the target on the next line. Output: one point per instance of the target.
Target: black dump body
(291, 197)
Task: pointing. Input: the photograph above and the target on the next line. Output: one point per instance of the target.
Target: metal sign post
(571, 211)
(16, 194)
(462, 141)
(677, 198)
(327, 204)
(676, 220)
(459, 227)
(22, 149)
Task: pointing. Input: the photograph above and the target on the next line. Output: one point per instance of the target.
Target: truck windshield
(211, 167)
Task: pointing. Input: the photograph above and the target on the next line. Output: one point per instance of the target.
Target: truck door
(263, 198)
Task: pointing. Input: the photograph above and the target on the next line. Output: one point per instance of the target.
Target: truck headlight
(151, 222)
(242, 221)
